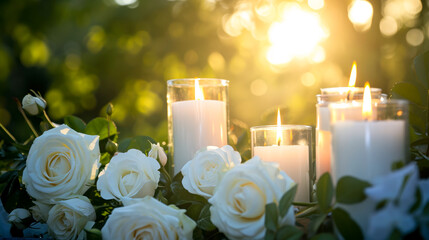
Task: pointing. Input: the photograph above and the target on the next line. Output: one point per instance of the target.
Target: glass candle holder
(290, 147)
(365, 145)
(323, 135)
(197, 116)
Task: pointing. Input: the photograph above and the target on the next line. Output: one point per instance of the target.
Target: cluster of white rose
(237, 192)
(62, 165)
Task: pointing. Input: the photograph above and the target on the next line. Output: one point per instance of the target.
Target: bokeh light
(360, 14)
(388, 26)
(316, 4)
(297, 35)
(415, 37)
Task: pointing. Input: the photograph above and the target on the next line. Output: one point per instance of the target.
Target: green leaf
(345, 224)
(75, 123)
(99, 126)
(270, 235)
(315, 222)
(93, 234)
(141, 143)
(325, 192)
(407, 91)
(204, 219)
(105, 158)
(324, 236)
(286, 200)
(271, 216)
(289, 232)
(421, 63)
(351, 190)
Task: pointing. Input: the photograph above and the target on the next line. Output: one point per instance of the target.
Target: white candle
(367, 149)
(323, 141)
(292, 159)
(197, 124)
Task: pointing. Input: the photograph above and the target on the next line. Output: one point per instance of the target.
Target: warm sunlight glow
(279, 128)
(296, 35)
(366, 106)
(353, 74)
(199, 95)
(360, 14)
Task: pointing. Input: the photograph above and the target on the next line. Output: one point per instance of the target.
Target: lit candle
(323, 134)
(196, 124)
(289, 146)
(368, 137)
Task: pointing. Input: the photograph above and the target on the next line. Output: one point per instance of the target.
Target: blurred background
(83, 54)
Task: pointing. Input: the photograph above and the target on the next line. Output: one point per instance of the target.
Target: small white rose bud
(17, 216)
(157, 151)
(33, 105)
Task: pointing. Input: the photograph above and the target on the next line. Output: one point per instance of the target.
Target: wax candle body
(292, 159)
(323, 141)
(197, 124)
(367, 149)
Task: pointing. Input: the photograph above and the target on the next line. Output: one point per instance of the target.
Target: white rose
(157, 151)
(68, 218)
(148, 218)
(203, 173)
(33, 104)
(40, 211)
(238, 204)
(61, 163)
(17, 216)
(129, 175)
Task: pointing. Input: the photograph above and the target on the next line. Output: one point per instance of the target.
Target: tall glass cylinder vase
(197, 116)
(323, 135)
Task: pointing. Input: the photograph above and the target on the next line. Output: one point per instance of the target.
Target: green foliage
(271, 217)
(93, 234)
(345, 224)
(351, 190)
(75, 123)
(141, 143)
(416, 91)
(101, 127)
(324, 236)
(286, 200)
(325, 192)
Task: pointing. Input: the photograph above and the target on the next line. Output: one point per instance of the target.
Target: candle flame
(353, 74)
(279, 128)
(199, 95)
(366, 106)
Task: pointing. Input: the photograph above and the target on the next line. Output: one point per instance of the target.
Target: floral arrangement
(77, 180)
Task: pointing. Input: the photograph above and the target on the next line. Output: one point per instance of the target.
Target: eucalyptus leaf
(325, 192)
(351, 190)
(75, 123)
(204, 221)
(271, 216)
(346, 226)
(286, 200)
(289, 232)
(101, 127)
